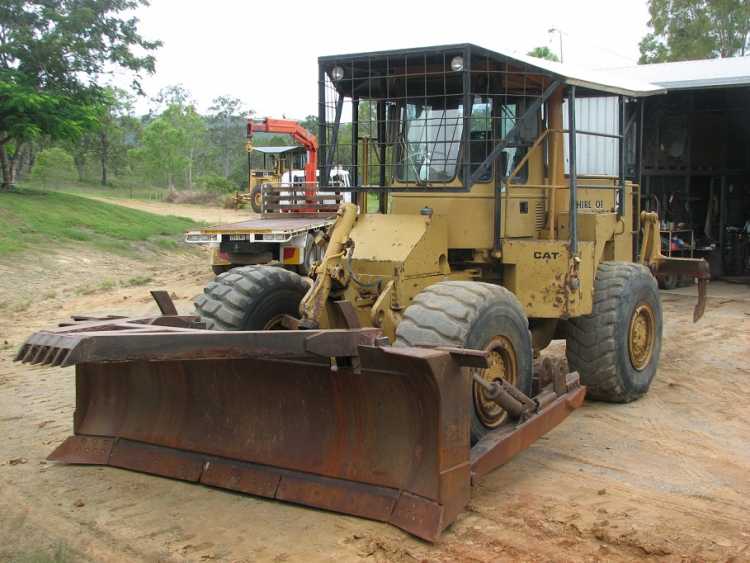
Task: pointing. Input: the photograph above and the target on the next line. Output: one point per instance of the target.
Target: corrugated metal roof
(612, 83)
(683, 75)
(277, 150)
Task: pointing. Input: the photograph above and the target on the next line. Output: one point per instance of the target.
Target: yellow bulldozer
(408, 364)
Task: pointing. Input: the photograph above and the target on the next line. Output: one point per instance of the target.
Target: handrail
(532, 149)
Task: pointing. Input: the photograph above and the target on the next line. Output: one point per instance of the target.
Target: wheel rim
(503, 365)
(258, 198)
(641, 336)
(313, 255)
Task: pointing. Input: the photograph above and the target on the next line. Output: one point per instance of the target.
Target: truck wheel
(218, 270)
(668, 281)
(616, 348)
(256, 198)
(250, 298)
(313, 254)
(474, 315)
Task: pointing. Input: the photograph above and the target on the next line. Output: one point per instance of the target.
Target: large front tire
(616, 348)
(251, 298)
(480, 316)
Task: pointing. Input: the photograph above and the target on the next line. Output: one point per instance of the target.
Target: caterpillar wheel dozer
(408, 365)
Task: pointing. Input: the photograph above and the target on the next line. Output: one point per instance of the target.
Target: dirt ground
(211, 215)
(664, 478)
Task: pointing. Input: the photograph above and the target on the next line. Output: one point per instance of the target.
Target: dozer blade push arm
(652, 257)
(535, 415)
(313, 303)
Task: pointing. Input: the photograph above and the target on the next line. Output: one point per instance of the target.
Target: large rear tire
(251, 298)
(256, 199)
(616, 348)
(480, 316)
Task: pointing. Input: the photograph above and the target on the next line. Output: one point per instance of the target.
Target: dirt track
(665, 477)
(212, 215)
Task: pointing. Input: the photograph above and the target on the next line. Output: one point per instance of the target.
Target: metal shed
(696, 157)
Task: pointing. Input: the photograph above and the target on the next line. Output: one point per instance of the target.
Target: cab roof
(613, 83)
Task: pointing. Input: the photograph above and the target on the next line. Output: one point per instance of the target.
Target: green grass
(116, 191)
(36, 219)
(137, 281)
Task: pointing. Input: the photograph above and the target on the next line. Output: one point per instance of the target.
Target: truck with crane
(287, 235)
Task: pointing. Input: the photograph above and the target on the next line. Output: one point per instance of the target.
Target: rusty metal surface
(466, 357)
(269, 224)
(367, 501)
(700, 306)
(147, 458)
(497, 448)
(164, 302)
(83, 449)
(359, 441)
(385, 438)
(149, 339)
(87, 318)
(346, 309)
(413, 514)
(688, 267)
(246, 478)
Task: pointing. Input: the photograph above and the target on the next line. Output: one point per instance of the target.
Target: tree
(163, 149)
(696, 29)
(53, 165)
(171, 143)
(109, 134)
(80, 148)
(27, 113)
(174, 95)
(104, 139)
(543, 53)
(310, 123)
(227, 131)
(193, 127)
(51, 54)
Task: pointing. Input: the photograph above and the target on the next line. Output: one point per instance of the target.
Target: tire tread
(591, 345)
(225, 301)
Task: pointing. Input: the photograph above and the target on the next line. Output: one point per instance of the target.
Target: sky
(265, 52)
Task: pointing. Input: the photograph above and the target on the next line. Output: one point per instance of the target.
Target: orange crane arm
(298, 133)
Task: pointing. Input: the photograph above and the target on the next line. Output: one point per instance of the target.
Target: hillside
(44, 220)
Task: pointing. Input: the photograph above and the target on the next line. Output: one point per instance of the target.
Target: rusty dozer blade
(330, 419)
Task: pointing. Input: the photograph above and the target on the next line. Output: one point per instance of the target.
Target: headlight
(457, 64)
(337, 73)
